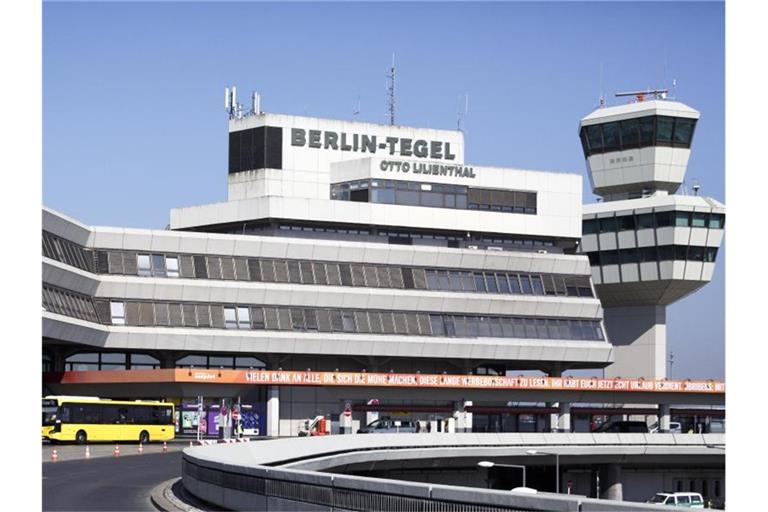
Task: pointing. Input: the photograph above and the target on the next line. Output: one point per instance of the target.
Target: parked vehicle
(678, 499)
(639, 427)
(675, 427)
(389, 426)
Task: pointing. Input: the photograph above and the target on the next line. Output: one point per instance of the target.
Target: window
(117, 310)
(526, 287)
(589, 227)
(645, 221)
(538, 287)
(664, 126)
(716, 221)
(626, 222)
(230, 318)
(503, 283)
(145, 267)
(611, 137)
(609, 258)
(158, 265)
(663, 219)
(683, 132)
(172, 266)
(647, 130)
(699, 220)
(627, 256)
(490, 281)
(682, 219)
(595, 138)
(607, 224)
(243, 318)
(710, 255)
(630, 133)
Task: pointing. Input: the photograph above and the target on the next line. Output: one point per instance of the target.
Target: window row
(653, 253)
(509, 283)
(639, 132)
(356, 232)
(115, 414)
(653, 220)
(67, 252)
(65, 302)
(272, 318)
(83, 361)
(348, 274)
(435, 195)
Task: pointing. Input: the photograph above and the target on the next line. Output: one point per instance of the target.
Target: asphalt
(107, 483)
(67, 452)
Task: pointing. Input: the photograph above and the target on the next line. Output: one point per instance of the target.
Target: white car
(678, 499)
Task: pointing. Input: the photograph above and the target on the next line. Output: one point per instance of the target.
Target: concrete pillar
(273, 411)
(664, 417)
(610, 483)
(564, 417)
(639, 338)
(467, 417)
(167, 359)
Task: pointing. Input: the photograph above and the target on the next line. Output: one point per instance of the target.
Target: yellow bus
(82, 419)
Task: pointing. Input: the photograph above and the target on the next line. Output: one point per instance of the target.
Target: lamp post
(557, 465)
(488, 464)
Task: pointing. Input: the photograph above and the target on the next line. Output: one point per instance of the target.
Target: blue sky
(133, 119)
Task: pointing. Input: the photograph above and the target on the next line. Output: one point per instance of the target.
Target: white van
(678, 499)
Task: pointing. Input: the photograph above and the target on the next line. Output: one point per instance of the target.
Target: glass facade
(434, 195)
(653, 253)
(653, 220)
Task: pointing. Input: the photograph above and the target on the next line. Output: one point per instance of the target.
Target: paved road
(107, 483)
(66, 452)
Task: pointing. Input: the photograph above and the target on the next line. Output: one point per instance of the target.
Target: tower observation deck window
(636, 133)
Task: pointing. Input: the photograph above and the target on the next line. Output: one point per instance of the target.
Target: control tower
(648, 246)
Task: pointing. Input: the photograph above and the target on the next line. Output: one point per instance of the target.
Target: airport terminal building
(343, 247)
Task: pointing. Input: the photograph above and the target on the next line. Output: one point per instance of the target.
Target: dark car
(624, 427)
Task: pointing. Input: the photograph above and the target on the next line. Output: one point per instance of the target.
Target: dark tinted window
(610, 137)
(683, 131)
(647, 125)
(626, 222)
(630, 133)
(595, 138)
(589, 226)
(607, 224)
(664, 126)
(644, 221)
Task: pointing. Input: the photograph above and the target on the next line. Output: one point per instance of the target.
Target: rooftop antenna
(356, 109)
(674, 89)
(391, 92)
(255, 103)
(696, 187)
(602, 96)
(461, 114)
(656, 94)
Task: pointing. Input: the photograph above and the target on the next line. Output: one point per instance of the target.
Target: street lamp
(557, 465)
(488, 464)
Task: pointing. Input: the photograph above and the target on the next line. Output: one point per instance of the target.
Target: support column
(467, 416)
(554, 418)
(273, 411)
(664, 417)
(610, 483)
(564, 417)
(639, 338)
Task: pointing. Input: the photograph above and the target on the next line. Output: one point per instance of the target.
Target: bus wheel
(144, 437)
(81, 437)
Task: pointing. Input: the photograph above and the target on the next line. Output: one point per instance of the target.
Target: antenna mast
(391, 93)
(461, 114)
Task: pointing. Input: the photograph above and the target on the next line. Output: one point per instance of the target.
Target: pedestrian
(429, 427)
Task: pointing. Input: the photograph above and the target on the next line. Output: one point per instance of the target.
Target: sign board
(396, 380)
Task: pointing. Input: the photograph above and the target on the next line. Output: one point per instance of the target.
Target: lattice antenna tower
(391, 92)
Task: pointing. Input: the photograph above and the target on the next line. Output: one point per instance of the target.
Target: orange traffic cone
(141, 448)
(165, 447)
(116, 451)
(87, 452)
(54, 455)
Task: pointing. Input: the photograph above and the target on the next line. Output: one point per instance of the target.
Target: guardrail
(249, 477)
